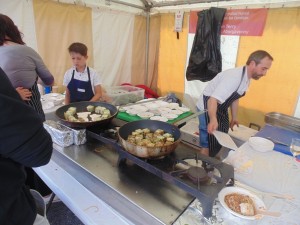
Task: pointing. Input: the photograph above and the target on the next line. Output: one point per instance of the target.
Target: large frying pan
(143, 151)
(81, 107)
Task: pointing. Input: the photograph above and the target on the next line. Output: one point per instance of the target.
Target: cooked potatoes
(144, 137)
(94, 114)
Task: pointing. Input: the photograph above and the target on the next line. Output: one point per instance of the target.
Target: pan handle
(104, 139)
(189, 118)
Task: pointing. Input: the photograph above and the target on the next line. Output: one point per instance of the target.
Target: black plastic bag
(205, 60)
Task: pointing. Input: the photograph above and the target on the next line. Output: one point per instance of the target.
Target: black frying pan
(148, 152)
(81, 107)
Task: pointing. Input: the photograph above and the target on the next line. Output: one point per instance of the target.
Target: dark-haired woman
(23, 66)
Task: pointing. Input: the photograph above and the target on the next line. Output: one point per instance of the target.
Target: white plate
(176, 112)
(184, 109)
(139, 108)
(259, 204)
(164, 109)
(159, 118)
(169, 116)
(162, 103)
(145, 115)
(131, 112)
(173, 105)
(150, 105)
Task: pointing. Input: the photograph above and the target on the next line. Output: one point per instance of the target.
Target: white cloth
(262, 174)
(224, 84)
(83, 76)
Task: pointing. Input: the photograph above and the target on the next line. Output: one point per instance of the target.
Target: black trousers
(36, 183)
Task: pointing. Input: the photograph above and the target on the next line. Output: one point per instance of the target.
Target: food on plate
(90, 108)
(240, 203)
(100, 113)
(247, 209)
(144, 137)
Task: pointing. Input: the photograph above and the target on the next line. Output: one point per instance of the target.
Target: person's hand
(24, 93)
(232, 123)
(212, 126)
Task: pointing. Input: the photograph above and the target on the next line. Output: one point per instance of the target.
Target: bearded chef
(223, 92)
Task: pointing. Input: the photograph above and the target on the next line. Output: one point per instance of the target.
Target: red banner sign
(239, 22)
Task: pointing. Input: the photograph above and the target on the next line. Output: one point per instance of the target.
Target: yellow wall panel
(57, 26)
(172, 56)
(278, 91)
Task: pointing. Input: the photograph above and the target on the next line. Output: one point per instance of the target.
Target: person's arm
(234, 113)
(96, 82)
(98, 93)
(212, 105)
(67, 96)
(44, 75)
(66, 82)
(24, 93)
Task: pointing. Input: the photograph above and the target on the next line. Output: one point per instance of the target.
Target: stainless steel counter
(136, 194)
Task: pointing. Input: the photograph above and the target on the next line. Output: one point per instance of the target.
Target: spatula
(225, 140)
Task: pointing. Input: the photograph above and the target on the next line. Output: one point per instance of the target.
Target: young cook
(82, 82)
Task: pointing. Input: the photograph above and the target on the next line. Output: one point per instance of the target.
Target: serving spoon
(260, 212)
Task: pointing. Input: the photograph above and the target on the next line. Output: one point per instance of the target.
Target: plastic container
(122, 95)
(47, 90)
(282, 120)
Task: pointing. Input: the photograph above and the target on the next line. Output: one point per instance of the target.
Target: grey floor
(59, 214)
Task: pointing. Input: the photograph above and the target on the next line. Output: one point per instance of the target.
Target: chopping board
(279, 134)
(126, 117)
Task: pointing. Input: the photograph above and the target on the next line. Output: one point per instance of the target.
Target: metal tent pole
(147, 45)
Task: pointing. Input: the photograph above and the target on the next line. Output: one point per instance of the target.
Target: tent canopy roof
(156, 6)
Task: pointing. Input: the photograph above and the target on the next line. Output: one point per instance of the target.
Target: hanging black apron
(222, 117)
(35, 100)
(80, 90)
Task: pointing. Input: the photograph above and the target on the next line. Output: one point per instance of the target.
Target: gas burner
(202, 179)
(198, 171)
(197, 175)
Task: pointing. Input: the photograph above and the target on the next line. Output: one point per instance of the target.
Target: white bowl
(145, 115)
(261, 144)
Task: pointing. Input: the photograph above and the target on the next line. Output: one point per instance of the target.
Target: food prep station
(138, 191)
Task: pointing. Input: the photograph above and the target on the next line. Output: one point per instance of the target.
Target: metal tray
(282, 120)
